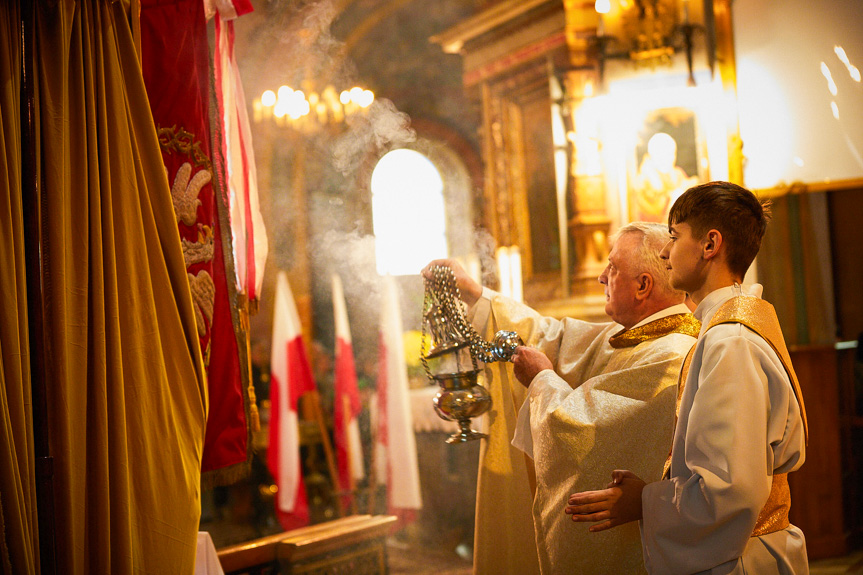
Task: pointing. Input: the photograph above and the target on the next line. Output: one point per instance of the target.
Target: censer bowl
(460, 399)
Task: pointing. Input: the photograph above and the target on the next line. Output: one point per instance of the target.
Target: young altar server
(723, 505)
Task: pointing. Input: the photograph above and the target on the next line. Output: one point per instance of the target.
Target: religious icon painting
(667, 160)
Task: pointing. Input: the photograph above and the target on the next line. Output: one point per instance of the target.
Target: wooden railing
(355, 544)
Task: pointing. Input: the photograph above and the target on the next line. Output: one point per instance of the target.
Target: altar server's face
(620, 279)
(682, 254)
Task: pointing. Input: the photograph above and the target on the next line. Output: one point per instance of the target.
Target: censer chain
(444, 289)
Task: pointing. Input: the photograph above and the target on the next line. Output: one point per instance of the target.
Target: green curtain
(18, 525)
(126, 385)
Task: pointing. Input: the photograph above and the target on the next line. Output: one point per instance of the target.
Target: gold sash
(759, 316)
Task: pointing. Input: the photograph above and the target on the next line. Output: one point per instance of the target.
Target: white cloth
(600, 409)
(739, 423)
(206, 560)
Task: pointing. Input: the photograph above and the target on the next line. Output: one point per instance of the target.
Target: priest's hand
(527, 362)
(470, 290)
(619, 503)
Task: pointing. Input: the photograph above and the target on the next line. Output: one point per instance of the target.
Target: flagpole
(373, 475)
(313, 401)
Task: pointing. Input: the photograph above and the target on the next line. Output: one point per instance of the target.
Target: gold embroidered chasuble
(601, 393)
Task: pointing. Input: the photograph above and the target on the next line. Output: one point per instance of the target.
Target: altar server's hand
(619, 503)
(470, 290)
(527, 362)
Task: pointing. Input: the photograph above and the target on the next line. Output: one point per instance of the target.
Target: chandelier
(310, 110)
(649, 32)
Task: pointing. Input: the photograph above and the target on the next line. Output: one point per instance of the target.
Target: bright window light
(408, 213)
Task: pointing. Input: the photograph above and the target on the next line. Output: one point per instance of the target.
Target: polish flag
(227, 9)
(290, 377)
(396, 444)
(349, 449)
(247, 225)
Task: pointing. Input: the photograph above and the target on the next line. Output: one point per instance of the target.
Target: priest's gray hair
(654, 236)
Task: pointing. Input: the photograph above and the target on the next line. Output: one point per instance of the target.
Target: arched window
(407, 212)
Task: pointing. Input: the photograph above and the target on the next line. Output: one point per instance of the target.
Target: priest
(592, 395)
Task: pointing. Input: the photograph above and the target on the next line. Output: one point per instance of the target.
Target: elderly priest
(597, 395)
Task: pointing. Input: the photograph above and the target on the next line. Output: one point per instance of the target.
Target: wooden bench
(354, 545)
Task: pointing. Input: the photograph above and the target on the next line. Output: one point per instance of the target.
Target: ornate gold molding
(813, 187)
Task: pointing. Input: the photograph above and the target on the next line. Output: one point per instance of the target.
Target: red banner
(175, 56)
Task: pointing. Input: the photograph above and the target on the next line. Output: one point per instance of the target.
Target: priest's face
(620, 278)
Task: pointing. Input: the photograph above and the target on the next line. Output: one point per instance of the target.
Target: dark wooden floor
(407, 559)
(851, 564)
(411, 560)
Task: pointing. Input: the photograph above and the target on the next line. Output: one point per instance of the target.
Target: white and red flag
(396, 444)
(227, 9)
(247, 225)
(290, 377)
(349, 449)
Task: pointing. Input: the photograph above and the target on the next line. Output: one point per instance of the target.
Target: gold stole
(759, 316)
(684, 323)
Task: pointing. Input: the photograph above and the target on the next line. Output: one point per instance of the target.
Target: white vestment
(739, 423)
(600, 409)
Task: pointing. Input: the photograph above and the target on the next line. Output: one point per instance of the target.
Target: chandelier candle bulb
(308, 113)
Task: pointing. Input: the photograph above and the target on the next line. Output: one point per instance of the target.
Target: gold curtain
(126, 385)
(18, 525)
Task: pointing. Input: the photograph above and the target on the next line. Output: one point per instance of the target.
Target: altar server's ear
(711, 244)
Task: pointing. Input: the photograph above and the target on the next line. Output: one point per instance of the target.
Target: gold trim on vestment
(684, 323)
(760, 316)
(774, 514)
